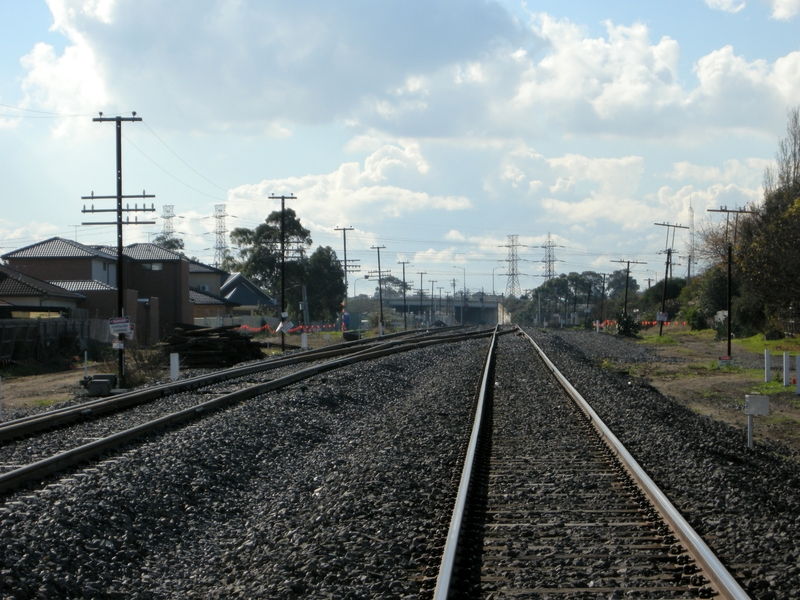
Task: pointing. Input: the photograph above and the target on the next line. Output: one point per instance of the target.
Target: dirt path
(43, 390)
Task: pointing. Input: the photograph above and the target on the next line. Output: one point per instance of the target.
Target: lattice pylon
(168, 229)
(549, 259)
(221, 243)
(512, 284)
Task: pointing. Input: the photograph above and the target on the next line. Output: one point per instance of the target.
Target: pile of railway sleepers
(210, 347)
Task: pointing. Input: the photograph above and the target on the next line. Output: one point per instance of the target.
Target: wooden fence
(44, 338)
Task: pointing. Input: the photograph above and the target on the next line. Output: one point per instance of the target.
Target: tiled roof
(143, 252)
(59, 248)
(84, 286)
(206, 299)
(240, 289)
(13, 283)
(198, 267)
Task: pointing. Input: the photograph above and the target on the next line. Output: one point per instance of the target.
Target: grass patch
(758, 344)
(47, 401)
(30, 368)
(768, 389)
(779, 420)
(664, 340)
(608, 364)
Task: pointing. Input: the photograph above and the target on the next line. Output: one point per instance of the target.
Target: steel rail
(716, 572)
(451, 545)
(63, 416)
(48, 466)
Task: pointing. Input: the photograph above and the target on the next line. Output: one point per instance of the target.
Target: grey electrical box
(756, 405)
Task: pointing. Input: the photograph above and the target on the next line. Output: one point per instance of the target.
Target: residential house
(26, 297)
(252, 299)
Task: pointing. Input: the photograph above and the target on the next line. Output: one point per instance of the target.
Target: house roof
(207, 299)
(13, 283)
(84, 285)
(240, 289)
(57, 247)
(196, 266)
(143, 252)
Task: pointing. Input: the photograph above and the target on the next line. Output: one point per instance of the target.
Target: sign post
(754, 406)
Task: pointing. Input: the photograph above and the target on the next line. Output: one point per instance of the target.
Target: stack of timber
(210, 347)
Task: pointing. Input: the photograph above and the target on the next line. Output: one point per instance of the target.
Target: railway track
(551, 505)
(38, 446)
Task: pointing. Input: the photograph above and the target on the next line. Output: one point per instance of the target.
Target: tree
(324, 284)
(615, 285)
(768, 247)
(168, 242)
(393, 287)
(259, 251)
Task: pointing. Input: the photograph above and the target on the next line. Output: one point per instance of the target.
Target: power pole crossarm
(119, 223)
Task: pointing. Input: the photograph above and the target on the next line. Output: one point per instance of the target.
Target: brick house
(26, 297)
(156, 281)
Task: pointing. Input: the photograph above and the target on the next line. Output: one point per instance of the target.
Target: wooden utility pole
(628, 264)
(119, 223)
(344, 231)
(380, 289)
(669, 249)
(737, 212)
(284, 313)
(421, 273)
(405, 307)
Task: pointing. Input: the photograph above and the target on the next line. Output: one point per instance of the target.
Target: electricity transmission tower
(549, 259)
(221, 243)
(512, 285)
(168, 229)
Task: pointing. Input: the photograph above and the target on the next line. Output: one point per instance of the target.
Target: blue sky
(436, 128)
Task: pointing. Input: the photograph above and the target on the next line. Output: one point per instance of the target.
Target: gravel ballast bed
(746, 504)
(339, 487)
(26, 450)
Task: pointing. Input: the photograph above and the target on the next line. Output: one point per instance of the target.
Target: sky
(435, 129)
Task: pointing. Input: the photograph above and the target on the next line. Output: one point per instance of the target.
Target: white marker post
(174, 365)
(767, 366)
(304, 341)
(85, 364)
(754, 406)
(787, 380)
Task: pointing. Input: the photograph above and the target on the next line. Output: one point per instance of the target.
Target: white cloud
(616, 176)
(212, 67)
(448, 255)
(731, 6)
(784, 9)
(562, 185)
(455, 236)
(750, 172)
(328, 199)
(631, 214)
(246, 64)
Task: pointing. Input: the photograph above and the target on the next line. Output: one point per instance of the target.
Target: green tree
(325, 287)
(393, 286)
(767, 250)
(258, 251)
(169, 242)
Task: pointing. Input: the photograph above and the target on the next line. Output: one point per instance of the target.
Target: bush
(695, 318)
(627, 326)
